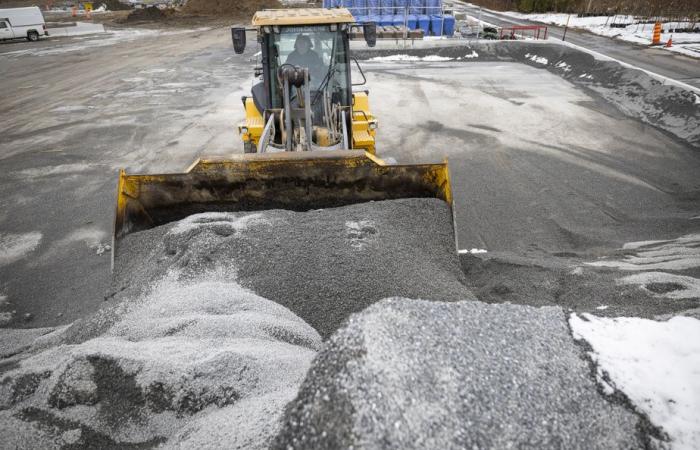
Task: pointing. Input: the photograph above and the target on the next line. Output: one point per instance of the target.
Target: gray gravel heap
(323, 265)
(417, 374)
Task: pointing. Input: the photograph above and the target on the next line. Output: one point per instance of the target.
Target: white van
(22, 23)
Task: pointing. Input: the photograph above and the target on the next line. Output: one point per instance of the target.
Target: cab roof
(302, 16)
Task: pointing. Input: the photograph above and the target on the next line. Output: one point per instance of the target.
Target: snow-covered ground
(685, 43)
(80, 28)
(108, 38)
(656, 364)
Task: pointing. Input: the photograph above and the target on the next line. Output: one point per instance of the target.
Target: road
(537, 164)
(672, 65)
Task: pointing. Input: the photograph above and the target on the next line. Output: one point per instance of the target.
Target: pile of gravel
(190, 364)
(186, 355)
(417, 374)
(323, 265)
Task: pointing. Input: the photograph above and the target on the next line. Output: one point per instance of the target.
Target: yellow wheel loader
(309, 139)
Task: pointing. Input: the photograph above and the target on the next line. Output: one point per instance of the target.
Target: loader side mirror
(370, 31)
(238, 37)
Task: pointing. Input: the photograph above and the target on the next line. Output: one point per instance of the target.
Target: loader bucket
(297, 181)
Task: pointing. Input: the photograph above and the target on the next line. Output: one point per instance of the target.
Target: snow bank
(656, 364)
(638, 33)
(433, 58)
(416, 374)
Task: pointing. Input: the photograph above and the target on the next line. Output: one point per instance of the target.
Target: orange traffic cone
(656, 37)
(670, 42)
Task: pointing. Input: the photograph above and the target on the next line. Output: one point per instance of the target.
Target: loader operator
(304, 56)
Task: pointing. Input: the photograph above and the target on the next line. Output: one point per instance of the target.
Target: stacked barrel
(427, 15)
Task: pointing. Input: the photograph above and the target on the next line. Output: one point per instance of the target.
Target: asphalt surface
(678, 67)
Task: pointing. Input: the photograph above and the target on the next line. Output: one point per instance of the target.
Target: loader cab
(316, 40)
(323, 49)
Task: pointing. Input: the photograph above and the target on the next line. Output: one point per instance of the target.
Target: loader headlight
(243, 130)
(373, 125)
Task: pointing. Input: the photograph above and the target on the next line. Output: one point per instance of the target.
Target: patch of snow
(656, 365)
(134, 80)
(156, 70)
(223, 223)
(696, 217)
(101, 248)
(62, 169)
(689, 286)
(563, 66)
(14, 246)
(436, 58)
(577, 271)
(602, 307)
(473, 251)
(675, 254)
(537, 59)
(473, 54)
(401, 57)
(358, 232)
(72, 108)
(91, 237)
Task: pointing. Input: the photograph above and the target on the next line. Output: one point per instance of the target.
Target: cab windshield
(317, 48)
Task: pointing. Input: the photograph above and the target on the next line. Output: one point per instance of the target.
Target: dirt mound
(233, 8)
(113, 5)
(148, 14)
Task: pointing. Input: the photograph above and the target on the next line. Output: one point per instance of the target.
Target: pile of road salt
(417, 374)
(192, 351)
(323, 265)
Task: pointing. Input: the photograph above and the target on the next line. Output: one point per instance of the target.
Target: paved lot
(537, 164)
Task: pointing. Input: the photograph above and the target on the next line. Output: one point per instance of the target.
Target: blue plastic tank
(412, 21)
(449, 26)
(436, 25)
(424, 23)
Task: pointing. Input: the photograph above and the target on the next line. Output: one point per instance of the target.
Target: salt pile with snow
(417, 374)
